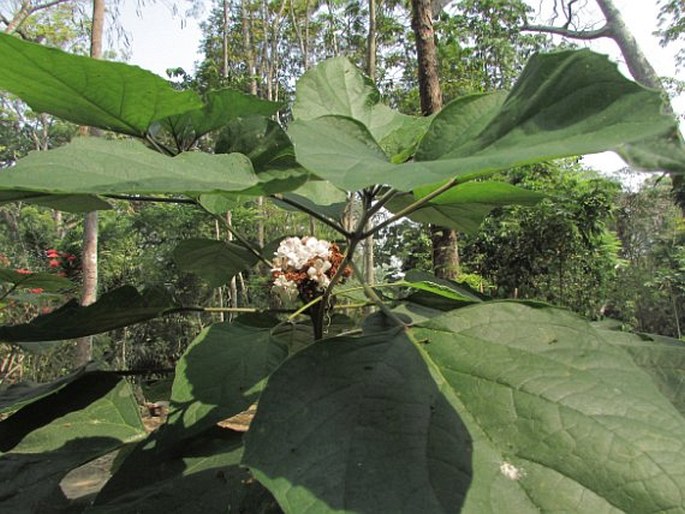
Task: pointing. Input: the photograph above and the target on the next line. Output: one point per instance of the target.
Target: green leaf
(438, 293)
(221, 107)
(340, 428)
(561, 419)
(98, 166)
(319, 196)
(109, 95)
(337, 87)
(220, 374)
(67, 203)
(203, 476)
(216, 262)
(43, 441)
(118, 308)
(565, 103)
(24, 393)
(261, 139)
(46, 281)
(464, 207)
(664, 152)
(663, 358)
(342, 151)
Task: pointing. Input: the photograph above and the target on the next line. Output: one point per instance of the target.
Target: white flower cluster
(298, 259)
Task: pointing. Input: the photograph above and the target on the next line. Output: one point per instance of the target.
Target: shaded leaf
(18, 395)
(319, 196)
(221, 374)
(220, 108)
(438, 293)
(110, 95)
(561, 419)
(42, 442)
(203, 476)
(216, 262)
(115, 309)
(261, 139)
(340, 429)
(67, 203)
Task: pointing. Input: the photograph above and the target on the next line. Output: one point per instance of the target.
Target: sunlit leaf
(565, 103)
(99, 166)
(110, 95)
(561, 418)
(464, 207)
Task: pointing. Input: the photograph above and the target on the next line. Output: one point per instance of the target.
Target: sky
(162, 40)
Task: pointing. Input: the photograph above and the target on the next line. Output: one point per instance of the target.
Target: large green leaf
(565, 103)
(90, 417)
(319, 196)
(337, 87)
(270, 150)
(67, 203)
(341, 428)
(115, 309)
(203, 476)
(561, 419)
(220, 108)
(99, 166)
(221, 374)
(261, 139)
(109, 95)
(216, 262)
(436, 293)
(663, 358)
(464, 207)
(18, 395)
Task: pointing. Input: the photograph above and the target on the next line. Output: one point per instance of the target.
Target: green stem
(411, 208)
(243, 241)
(323, 219)
(371, 295)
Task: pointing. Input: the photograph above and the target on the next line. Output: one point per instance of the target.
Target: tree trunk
(369, 272)
(246, 15)
(224, 40)
(443, 239)
(84, 345)
(371, 42)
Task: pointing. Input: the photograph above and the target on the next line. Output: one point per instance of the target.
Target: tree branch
(604, 31)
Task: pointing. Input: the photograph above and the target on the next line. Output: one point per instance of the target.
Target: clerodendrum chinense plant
(451, 404)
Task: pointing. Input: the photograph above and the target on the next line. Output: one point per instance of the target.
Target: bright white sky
(161, 40)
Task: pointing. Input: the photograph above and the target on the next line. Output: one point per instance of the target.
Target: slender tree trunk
(444, 240)
(233, 286)
(84, 346)
(248, 47)
(224, 40)
(369, 265)
(371, 42)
